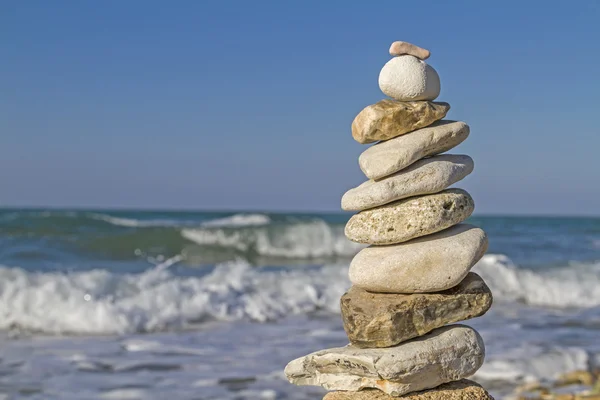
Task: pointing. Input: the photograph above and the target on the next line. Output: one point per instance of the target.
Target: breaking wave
(576, 285)
(311, 239)
(103, 302)
(238, 220)
(254, 237)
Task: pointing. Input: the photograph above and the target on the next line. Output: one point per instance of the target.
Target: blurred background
(171, 177)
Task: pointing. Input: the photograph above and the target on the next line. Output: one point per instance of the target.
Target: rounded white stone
(425, 265)
(406, 78)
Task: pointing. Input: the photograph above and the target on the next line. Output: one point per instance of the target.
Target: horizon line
(257, 210)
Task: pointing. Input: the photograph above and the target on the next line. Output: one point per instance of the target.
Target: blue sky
(248, 105)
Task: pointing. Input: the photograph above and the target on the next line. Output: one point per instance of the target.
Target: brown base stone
(461, 390)
(384, 320)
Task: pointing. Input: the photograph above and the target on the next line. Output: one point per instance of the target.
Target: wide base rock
(445, 355)
(384, 320)
(461, 390)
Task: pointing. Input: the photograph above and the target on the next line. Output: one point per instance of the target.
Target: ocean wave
(301, 240)
(102, 302)
(576, 285)
(245, 236)
(136, 223)
(235, 220)
(238, 220)
(529, 362)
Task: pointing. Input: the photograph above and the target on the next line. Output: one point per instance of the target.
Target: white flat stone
(407, 78)
(428, 264)
(386, 158)
(430, 175)
(410, 218)
(445, 355)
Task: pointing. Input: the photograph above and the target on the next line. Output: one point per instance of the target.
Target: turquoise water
(121, 241)
(204, 305)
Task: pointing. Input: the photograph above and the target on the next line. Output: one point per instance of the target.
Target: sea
(212, 305)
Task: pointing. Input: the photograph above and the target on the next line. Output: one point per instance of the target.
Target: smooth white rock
(424, 265)
(444, 355)
(386, 158)
(406, 78)
(429, 175)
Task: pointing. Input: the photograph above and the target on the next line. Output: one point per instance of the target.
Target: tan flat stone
(428, 264)
(460, 390)
(427, 176)
(410, 218)
(399, 48)
(387, 119)
(385, 158)
(385, 320)
(445, 355)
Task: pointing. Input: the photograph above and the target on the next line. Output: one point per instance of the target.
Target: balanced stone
(386, 158)
(459, 390)
(384, 320)
(410, 218)
(428, 264)
(399, 48)
(406, 78)
(447, 354)
(387, 119)
(427, 176)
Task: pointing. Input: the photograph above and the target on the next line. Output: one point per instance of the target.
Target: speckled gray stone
(410, 218)
(427, 176)
(424, 265)
(385, 158)
(446, 354)
(387, 319)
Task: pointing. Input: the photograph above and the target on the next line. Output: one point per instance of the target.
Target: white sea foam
(102, 302)
(99, 301)
(233, 221)
(576, 285)
(532, 362)
(311, 239)
(135, 223)
(238, 220)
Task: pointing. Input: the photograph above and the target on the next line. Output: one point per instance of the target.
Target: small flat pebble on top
(399, 48)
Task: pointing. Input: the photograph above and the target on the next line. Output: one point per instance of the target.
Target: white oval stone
(444, 355)
(386, 158)
(430, 175)
(406, 78)
(427, 264)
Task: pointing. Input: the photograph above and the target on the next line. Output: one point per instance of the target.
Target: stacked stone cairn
(414, 277)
